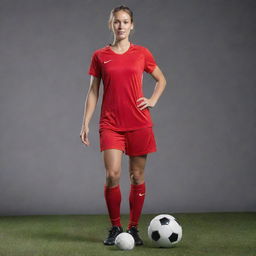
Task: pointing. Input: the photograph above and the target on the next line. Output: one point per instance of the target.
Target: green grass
(213, 234)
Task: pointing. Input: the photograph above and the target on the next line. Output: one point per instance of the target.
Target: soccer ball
(125, 241)
(164, 231)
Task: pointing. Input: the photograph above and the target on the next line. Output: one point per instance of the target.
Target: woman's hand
(84, 135)
(146, 103)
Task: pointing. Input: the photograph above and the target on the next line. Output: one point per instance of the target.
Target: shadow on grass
(148, 246)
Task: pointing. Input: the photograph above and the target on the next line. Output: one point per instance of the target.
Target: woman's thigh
(112, 159)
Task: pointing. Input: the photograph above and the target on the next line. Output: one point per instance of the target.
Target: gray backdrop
(204, 121)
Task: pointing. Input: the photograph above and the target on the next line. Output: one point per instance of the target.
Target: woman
(125, 121)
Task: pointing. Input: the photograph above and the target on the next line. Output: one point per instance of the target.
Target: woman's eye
(117, 22)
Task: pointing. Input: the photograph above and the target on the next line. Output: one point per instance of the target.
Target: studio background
(204, 122)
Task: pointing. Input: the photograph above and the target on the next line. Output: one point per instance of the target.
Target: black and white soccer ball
(164, 230)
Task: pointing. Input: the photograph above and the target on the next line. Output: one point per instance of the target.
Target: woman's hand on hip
(146, 103)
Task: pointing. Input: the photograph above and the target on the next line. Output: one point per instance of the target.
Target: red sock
(113, 201)
(136, 199)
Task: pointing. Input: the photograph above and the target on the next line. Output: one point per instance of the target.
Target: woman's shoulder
(101, 49)
(142, 48)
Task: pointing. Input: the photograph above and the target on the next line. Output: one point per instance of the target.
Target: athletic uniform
(122, 124)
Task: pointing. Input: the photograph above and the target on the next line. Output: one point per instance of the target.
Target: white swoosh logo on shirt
(107, 61)
(141, 194)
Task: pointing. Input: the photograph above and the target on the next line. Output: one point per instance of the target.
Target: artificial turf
(213, 234)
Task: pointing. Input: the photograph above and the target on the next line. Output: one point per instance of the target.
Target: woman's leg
(137, 189)
(112, 160)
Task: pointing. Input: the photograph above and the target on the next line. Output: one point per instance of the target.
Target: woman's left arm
(159, 88)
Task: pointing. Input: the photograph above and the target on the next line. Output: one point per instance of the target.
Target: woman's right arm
(89, 107)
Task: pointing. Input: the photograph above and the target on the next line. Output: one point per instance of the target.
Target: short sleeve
(150, 62)
(94, 68)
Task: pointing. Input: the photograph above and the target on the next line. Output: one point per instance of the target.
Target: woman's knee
(113, 177)
(137, 176)
(112, 160)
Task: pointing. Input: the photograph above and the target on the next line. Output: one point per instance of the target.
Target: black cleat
(114, 231)
(134, 232)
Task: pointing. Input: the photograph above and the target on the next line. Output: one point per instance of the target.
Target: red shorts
(132, 143)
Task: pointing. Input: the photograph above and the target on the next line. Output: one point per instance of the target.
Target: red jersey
(122, 76)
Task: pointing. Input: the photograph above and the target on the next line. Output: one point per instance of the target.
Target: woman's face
(121, 25)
